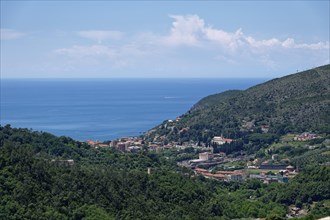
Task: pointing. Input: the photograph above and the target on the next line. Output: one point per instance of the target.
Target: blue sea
(103, 109)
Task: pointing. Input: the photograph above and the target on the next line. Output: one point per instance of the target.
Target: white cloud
(100, 35)
(192, 30)
(185, 30)
(202, 43)
(290, 43)
(225, 39)
(9, 34)
(262, 43)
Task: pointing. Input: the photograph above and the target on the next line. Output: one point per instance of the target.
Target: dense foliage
(294, 103)
(106, 184)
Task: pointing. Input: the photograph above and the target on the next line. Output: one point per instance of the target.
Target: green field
(257, 171)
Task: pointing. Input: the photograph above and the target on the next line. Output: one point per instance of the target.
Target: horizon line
(125, 78)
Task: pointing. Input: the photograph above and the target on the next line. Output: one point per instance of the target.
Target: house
(113, 143)
(134, 149)
(206, 156)
(235, 177)
(306, 136)
(270, 180)
(93, 143)
(221, 140)
(121, 146)
(265, 128)
(290, 168)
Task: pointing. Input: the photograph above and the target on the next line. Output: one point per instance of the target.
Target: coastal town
(218, 165)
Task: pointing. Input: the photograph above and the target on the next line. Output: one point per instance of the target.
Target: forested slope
(106, 184)
(295, 103)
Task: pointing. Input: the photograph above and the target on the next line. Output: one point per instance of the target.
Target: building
(221, 140)
(306, 137)
(134, 149)
(290, 168)
(235, 177)
(121, 146)
(265, 128)
(206, 156)
(93, 143)
(113, 143)
(269, 178)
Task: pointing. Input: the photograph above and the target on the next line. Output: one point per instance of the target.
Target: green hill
(295, 103)
(37, 183)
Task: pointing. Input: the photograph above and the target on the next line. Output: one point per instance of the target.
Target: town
(217, 165)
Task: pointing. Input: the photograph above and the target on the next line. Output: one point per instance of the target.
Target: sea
(103, 109)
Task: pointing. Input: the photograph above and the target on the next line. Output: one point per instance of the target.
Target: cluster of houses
(125, 144)
(128, 144)
(207, 159)
(250, 126)
(306, 136)
(282, 176)
(136, 144)
(269, 178)
(269, 172)
(96, 144)
(265, 172)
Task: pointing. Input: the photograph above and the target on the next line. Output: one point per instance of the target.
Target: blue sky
(221, 39)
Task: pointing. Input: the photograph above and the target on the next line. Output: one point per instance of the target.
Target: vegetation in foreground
(106, 184)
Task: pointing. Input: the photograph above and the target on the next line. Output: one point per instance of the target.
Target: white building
(206, 156)
(221, 140)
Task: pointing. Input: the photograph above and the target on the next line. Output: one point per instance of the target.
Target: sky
(162, 39)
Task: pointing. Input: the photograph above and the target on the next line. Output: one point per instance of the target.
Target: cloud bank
(192, 30)
(190, 42)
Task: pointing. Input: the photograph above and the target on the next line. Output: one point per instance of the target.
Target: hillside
(38, 181)
(295, 103)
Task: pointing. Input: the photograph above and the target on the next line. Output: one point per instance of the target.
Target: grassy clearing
(288, 138)
(257, 171)
(326, 153)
